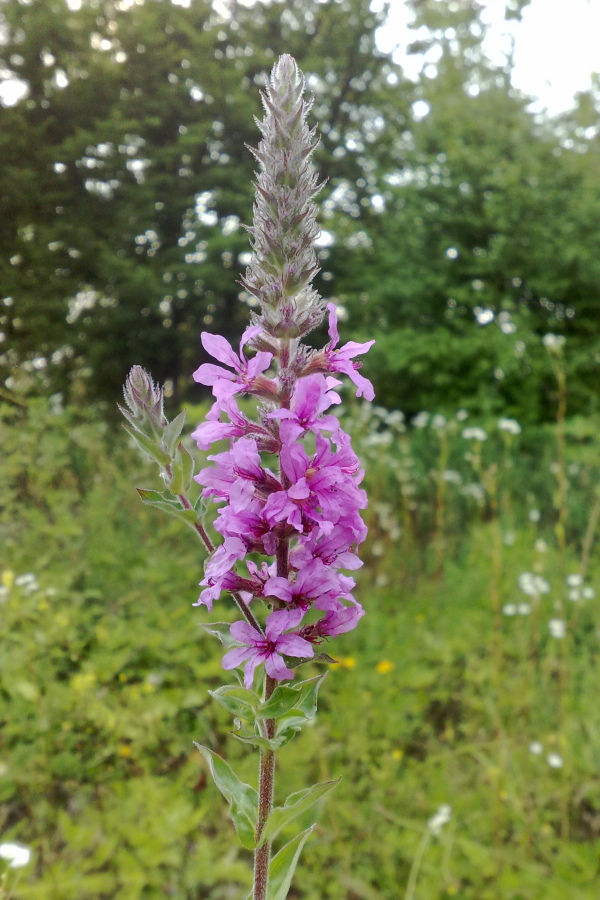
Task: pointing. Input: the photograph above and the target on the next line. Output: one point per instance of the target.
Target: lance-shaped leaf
(182, 471)
(307, 703)
(237, 700)
(221, 630)
(242, 799)
(288, 727)
(169, 505)
(279, 703)
(295, 805)
(172, 433)
(148, 446)
(283, 865)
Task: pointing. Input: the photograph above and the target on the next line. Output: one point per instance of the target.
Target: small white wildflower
(511, 426)
(574, 594)
(588, 593)
(475, 491)
(534, 515)
(557, 628)
(474, 434)
(533, 585)
(451, 476)
(524, 609)
(554, 342)
(541, 546)
(509, 609)
(4, 592)
(27, 578)
(461, 415)
(555, 760)
(438, 422)
(17, 855)
(509, 538)
(396, 417)
(441, 818)
(536, 748)
(575, 580)
(420, 420)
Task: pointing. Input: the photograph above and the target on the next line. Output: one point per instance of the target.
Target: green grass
(105, 670)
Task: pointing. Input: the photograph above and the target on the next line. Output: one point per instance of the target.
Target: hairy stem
(266, 785)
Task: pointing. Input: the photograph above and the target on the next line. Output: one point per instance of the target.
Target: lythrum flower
(300, 513)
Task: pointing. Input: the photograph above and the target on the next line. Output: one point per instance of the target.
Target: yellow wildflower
(8, 578)
(384, 667)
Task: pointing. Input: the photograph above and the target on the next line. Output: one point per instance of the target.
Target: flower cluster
(303, 512)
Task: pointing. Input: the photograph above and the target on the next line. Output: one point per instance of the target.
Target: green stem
(416, 866)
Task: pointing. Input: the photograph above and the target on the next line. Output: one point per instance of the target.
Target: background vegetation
(459, 240)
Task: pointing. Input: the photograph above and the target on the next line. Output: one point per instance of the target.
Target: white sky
(557, 46)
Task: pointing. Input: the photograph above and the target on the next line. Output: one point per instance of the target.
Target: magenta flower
(332, 549)
(246, 375)
(213, 429)
(330, 359)
(267, 648)
(311, 397)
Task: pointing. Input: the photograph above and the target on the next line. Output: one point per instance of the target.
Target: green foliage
(242, 799)
(106, 682)
(121, 232)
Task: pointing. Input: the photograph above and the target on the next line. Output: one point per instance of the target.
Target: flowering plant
(292, 526)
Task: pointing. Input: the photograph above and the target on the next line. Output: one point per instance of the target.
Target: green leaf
(168, 505)
(294, 662)
(183, 470)
(295, 805)
(279, 703)
(222, 630)
(288, 727)
(283, 865)
(148, 446)
(255, 740)
(188, 467)
(308, 696)
(242, 799)
(172, 433)
(236, 700)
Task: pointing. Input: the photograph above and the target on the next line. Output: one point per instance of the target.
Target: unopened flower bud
(284, 260)
(145, 402)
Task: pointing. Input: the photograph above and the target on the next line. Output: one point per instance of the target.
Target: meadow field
(462, 715)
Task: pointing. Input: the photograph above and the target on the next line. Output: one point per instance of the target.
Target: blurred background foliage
(456, 238)
(459, 230)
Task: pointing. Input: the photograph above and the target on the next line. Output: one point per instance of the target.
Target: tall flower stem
(266, 786)
(266, 776)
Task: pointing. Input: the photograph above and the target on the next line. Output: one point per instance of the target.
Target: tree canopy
(458, 227)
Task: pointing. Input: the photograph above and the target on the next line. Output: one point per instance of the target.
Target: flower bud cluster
(284, 261)
(145, 402)
(302, 514)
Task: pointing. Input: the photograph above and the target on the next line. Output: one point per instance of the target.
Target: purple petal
(211, 374)
(278, 587)
(234, 658)
(276, 667)
(278, 621)
(259, 364)
(333, 329)
(294, 645)
(249, 670)
(221, 349)
(245, 634)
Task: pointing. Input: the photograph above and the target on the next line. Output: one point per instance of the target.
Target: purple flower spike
(267, 647)
(305, 520)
